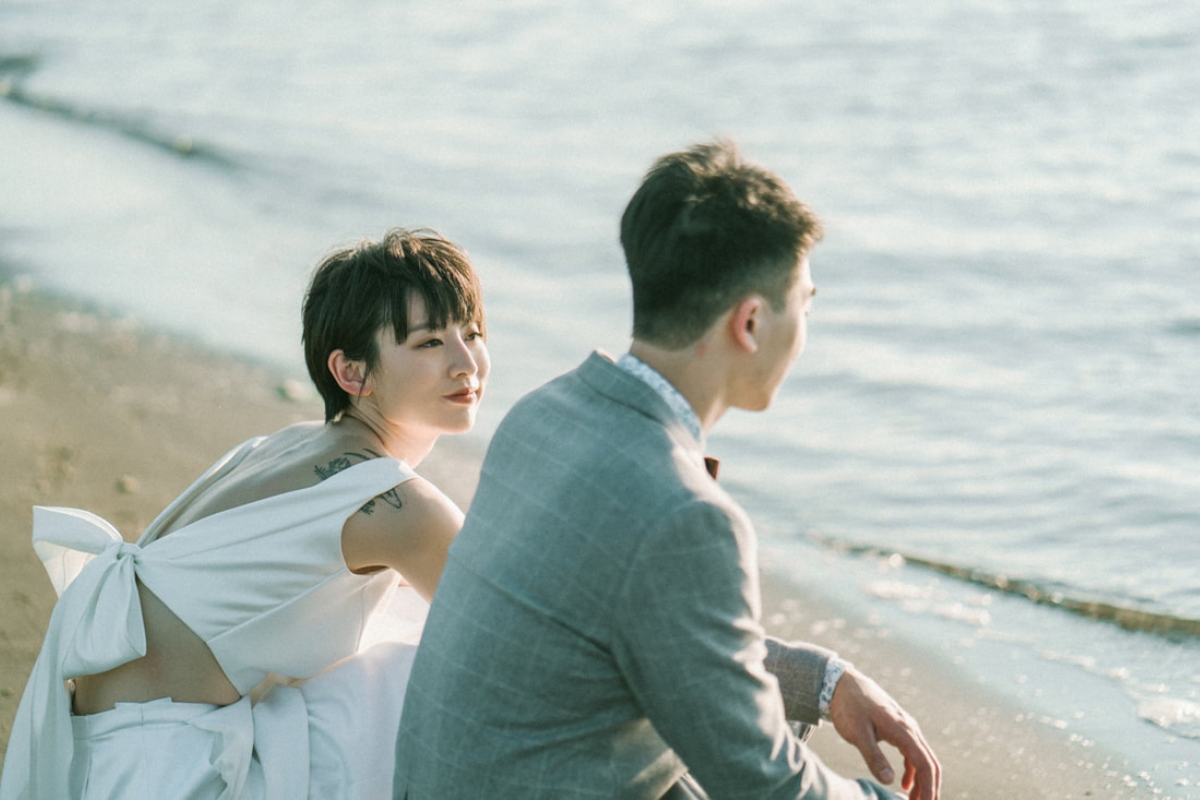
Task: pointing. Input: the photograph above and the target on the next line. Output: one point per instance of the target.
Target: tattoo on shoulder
(345, 461)
(391, 497)
(332, 468)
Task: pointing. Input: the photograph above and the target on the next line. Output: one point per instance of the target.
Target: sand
(102, 415)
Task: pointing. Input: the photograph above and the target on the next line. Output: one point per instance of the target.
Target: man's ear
(745, 322)
(350, 375)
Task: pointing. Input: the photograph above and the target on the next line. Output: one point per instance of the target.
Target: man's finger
(922, 773)
(876, 761)
(922, 778)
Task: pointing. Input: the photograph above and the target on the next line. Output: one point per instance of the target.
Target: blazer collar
(601, 373)
(655, 380)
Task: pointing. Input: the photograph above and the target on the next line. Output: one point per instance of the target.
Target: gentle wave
(1185, 327)
(20, 64)
(14, 68)
(1132, 619)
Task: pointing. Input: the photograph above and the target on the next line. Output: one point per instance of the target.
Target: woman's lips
(464, 396)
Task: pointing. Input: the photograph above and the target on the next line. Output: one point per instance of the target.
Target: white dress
(266, 587)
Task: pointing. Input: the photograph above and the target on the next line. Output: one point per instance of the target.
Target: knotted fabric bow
(96, 626)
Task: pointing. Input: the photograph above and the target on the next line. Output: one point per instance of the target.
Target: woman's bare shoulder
(425, 499)
(316, 450)
(407, 528)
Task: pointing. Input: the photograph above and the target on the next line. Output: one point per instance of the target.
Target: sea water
(992, 443)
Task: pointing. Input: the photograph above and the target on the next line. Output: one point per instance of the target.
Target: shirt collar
(670, 395)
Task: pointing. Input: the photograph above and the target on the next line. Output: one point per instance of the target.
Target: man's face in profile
(781, 338)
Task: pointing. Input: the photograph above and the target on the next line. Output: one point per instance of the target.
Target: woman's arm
(408, 529)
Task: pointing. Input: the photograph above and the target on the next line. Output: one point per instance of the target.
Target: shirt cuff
(833, 673)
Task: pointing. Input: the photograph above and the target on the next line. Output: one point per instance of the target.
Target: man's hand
(864, 715)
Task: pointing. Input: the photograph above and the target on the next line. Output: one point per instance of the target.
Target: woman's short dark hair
(358, 291)
(704, 229)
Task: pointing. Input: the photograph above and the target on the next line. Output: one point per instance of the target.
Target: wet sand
(988, 747)
(99, 414)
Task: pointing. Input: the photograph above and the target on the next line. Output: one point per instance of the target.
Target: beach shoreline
(108, 417)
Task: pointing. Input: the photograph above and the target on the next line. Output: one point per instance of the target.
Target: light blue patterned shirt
(654, 379)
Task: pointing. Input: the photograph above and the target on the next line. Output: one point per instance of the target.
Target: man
(596, 630)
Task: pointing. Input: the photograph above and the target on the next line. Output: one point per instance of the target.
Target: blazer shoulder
(701, 516)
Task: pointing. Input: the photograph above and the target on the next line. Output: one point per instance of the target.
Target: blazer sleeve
(692, 650)
(799, 668)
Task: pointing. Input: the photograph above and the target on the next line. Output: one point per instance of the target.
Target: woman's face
(434, 379)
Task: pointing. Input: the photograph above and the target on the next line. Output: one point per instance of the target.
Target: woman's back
(178, 663)
(282, 462)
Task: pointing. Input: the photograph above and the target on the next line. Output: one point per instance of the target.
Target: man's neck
(694, 375)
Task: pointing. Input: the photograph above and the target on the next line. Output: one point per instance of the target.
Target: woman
(268, 566)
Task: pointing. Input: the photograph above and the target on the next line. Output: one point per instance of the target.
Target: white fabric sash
(96, 626)
(92, 569)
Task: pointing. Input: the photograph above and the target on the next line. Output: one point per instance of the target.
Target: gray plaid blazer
(596, 631)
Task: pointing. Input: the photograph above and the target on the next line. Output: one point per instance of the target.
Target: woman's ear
(350, 375)
(746, 321)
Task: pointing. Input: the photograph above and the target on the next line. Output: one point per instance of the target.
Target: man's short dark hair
(357, 291)
(706, 228)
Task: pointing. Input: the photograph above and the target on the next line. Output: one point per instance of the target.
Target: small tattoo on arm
(391, 497)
